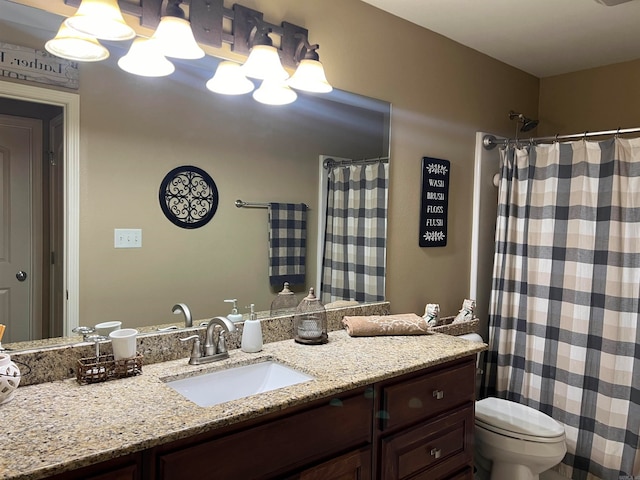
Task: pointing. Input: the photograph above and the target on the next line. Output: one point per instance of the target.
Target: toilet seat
(514, 420)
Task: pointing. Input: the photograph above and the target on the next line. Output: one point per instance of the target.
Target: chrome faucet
(182, 308)
(213, 351)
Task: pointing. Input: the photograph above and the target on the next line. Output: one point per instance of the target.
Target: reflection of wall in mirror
(134, 130)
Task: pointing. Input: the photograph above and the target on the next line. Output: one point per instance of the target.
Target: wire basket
(462, 328)
(106, 367)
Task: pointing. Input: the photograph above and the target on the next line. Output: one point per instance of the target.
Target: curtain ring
(584, 138)
(617, 133)
(556, 139)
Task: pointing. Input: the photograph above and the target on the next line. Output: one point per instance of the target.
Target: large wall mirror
(132, 132)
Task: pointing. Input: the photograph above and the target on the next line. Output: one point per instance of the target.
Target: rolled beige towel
(374, 325)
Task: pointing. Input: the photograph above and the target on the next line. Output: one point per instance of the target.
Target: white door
(20, 219)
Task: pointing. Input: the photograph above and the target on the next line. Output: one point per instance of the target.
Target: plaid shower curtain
(353, 266)
(564, 336)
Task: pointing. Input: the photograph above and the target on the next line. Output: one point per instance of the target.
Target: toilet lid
(516, 420)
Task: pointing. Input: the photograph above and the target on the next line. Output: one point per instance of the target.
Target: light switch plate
(127, 238)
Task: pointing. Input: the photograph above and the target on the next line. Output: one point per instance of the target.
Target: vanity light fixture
(230, 80)
(274, 91)
(175, 36)
(76, 46)
(309, 76)
(208, 24)
(101, 19)
(264, 61)
(145, 58)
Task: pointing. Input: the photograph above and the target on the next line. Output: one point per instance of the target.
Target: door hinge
(53, 258)
(52, 159)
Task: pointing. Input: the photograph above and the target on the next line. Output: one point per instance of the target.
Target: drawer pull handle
(438, 394)
(436, 453)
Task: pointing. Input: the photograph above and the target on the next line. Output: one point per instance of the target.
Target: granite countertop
(58, 426)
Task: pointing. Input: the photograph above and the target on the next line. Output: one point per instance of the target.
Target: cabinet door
(466, 474)
(352, 466)
(273, 449)
(432, 450)
(125, 468)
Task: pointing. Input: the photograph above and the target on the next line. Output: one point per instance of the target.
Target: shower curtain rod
(330, 162)
(490, 142)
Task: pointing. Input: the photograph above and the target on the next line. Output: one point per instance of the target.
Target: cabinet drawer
(276, 447)
(427, 396)
(431, 450)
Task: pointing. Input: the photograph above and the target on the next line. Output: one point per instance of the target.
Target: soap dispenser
(234, 316)
(252, 333)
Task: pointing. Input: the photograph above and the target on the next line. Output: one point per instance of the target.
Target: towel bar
(241, 204)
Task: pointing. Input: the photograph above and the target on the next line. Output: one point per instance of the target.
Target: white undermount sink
(237, 382)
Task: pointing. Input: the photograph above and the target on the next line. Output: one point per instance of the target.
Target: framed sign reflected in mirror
(188, 197)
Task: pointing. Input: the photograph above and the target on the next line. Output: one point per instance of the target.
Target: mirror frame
(70, 103)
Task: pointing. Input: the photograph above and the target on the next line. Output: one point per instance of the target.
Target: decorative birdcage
(310, 321)
(285, 302)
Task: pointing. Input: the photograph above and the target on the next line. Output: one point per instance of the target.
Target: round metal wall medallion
(188, 197)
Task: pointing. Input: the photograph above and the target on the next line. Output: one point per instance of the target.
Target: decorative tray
(462, 328)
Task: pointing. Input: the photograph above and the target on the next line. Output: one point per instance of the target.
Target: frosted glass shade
(310, 77)
(264, 62)
(274, 92)
(101, 19)
(230, 80)
(144, 58)
(176, 39)
(77, 46)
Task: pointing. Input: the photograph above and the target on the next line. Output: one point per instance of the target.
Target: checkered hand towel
(287, 243)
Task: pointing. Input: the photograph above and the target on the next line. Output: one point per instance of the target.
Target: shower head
(527, 123)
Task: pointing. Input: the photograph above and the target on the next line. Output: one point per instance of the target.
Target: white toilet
(518, 441)
(514, 441)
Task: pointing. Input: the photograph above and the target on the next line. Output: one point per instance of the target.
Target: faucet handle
(222, 345)
(196, 351)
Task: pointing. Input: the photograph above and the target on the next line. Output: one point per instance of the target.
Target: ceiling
(541, 37)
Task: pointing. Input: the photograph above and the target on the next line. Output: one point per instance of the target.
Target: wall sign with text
(24, 63)
(435, 202)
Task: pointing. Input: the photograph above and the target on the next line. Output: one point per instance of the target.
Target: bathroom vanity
(378, 408)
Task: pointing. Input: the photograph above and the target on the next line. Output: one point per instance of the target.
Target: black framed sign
(188, 197)
(435, 202)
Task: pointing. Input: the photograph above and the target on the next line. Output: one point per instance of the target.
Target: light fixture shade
(176, 39)
(274, 92)
(101, 19)
(264, 62)
(310, 77)
(144, 58)
(77, 46)
(230, 80)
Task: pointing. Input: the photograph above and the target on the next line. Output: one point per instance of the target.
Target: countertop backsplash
(39, 365)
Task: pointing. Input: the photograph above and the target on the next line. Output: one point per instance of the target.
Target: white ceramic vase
(9, 378)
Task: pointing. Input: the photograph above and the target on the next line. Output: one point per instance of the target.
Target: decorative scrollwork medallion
(188, 197)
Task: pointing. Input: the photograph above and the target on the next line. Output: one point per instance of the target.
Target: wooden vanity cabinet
(352, 466)
(425, 424)
(127, 467)
(417, 426)
(294, 441)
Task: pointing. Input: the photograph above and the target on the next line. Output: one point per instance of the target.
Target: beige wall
(602, 98)
(441, 94)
